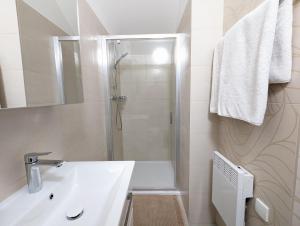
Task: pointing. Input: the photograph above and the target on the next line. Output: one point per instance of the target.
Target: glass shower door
(143, 103)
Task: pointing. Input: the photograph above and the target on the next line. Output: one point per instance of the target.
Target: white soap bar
(262, 210)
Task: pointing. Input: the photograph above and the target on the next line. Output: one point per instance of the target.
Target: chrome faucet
(33, 175)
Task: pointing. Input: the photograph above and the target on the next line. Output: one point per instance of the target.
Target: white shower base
(153, 175)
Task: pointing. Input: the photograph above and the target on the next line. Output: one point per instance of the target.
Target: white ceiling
(139, 16)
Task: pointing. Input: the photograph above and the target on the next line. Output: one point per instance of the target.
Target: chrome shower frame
(103, 53)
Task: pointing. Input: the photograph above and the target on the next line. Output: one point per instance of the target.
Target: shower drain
(74, 214)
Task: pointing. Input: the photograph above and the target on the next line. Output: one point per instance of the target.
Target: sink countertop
(98, 188)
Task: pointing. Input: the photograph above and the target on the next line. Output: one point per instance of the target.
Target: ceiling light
(160, 56)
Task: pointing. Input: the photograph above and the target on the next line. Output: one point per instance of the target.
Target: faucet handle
(33, 157)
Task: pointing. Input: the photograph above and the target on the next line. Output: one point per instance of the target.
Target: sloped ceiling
(63, 13)
(139, 16)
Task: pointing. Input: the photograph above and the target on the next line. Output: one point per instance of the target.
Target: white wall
(207, 30)
(11, 69)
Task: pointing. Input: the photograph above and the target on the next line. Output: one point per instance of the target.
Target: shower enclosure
(143, 76)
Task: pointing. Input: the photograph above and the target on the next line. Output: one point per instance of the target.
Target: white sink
(98, 188)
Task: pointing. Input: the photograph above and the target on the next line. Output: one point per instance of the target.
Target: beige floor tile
(156, 211)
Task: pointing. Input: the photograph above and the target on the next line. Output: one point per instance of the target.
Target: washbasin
(77, 193)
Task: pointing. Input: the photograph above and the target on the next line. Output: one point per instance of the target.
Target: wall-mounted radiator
(232, 185)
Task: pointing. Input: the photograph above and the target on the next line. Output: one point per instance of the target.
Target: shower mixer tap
(119, 99)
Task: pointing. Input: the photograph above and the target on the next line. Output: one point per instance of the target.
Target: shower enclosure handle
(171, 117)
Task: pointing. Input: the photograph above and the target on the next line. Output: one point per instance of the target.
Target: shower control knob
(120, 99)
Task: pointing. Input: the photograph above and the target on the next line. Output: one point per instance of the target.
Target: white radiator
(232, 185)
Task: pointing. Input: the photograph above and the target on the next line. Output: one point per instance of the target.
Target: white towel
(256, 51)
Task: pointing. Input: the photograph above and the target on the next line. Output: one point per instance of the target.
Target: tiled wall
(183, 165)
(11, 70)
(207, 29)
(71, 132)
(235, 9)
(117, 134)
(146, 113)
(296, 205)
(270, 151)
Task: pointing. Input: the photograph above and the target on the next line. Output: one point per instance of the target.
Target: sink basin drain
(74, 214)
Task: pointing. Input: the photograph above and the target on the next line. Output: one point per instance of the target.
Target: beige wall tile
(269, 151)
(296, 221)
(28, 130)
(41, 90)
(38, 54)
(128, 75)
(158, 74)
(235, 9)
(84, 123)
(93, 84)
(71, 132)
(146, 113)
(91, 58)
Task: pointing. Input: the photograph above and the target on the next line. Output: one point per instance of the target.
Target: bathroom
(109, 113)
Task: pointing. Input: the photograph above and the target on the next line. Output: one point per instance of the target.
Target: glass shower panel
(143, 90)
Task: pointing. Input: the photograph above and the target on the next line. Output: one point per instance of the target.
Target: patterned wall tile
(270, 151)
(235, 9)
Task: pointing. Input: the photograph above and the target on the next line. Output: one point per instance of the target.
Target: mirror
(50, 56)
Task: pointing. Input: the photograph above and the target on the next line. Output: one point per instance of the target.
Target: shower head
(120, 58)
